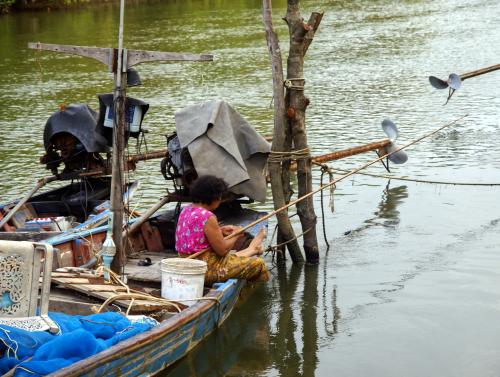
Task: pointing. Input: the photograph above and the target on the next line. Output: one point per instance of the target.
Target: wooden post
(279, 138)
(117, 181)
(301, 35)
(116, 200)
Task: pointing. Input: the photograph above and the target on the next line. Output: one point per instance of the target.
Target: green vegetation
(19, 5)
(6, 4)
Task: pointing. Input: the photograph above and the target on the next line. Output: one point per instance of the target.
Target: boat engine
(178, 166)
(71, 138)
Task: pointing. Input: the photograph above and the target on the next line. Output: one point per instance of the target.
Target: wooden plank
(138, 56)
(152, 237)
(98, 53)
(105, 291)
(73, 274)
(146, 273)
(72, 283)
(64, 275)
(101, 287)
(71, 280)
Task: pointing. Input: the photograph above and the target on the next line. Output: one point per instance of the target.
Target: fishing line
(418, 180)
(331, 183)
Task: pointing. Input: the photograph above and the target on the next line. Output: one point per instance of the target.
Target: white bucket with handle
(182, 279)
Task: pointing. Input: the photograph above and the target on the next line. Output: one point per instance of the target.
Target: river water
(409, 286)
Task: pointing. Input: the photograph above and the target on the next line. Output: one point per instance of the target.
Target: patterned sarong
(231, 266)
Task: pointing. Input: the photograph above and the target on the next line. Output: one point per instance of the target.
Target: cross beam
(109, 56)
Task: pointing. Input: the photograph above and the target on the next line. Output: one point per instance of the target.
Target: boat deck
(91, 291)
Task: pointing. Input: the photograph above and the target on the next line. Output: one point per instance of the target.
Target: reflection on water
(387, 214)
(272, 328)
(245, 335)
(391, 198)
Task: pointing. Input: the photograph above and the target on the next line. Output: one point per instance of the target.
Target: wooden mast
(119, 61)
(116, 200)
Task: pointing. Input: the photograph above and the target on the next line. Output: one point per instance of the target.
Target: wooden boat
(79, 290)
(149, 353)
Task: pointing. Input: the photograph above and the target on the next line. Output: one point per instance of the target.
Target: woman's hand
(230, 229)
(215, 238)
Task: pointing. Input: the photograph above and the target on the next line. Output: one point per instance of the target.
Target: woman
(198, 229)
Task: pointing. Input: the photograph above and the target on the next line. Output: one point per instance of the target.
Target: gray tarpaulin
(222, 143)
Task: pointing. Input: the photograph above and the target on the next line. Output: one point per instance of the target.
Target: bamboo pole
(143, 218)
(479, 72)
(347, 152)
(331, 183)
(317, 159)
(147, 156)
(39, 184)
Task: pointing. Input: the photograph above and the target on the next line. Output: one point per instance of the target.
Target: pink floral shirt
(190, 233)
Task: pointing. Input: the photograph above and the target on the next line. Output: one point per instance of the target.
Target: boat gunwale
(130, 345)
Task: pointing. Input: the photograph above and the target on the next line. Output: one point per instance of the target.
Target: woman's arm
(214, 237)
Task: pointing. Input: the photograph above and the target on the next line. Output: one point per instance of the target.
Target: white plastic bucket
(182, 279)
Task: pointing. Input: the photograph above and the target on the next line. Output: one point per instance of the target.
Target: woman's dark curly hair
(207, 188)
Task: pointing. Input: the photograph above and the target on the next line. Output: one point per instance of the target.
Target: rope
(275, 247)
(9, 348)
(420, 180)
(288, 83)
(326, 169)
(271, 248)
(300, 154)
(131, 294)
(138, 296)
(331, 183)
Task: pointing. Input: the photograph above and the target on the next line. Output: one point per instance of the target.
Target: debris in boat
(145, 262)
(97, 287)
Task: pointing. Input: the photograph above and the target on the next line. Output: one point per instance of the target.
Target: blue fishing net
(80, 337)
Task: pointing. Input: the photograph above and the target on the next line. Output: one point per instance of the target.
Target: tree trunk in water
(301, 35)
(279, 138)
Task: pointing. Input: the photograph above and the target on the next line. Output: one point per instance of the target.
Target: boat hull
(149, 353)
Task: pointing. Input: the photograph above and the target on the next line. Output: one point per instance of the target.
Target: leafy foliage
(6, 3)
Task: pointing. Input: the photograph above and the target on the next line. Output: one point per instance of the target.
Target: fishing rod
(331, 183)
(454, 81)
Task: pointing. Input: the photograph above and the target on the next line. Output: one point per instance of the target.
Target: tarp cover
(80, 121)
(81, 337)
(222, 143)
